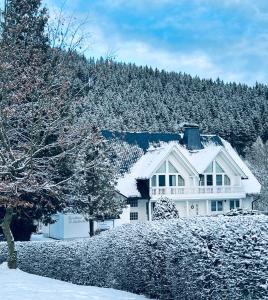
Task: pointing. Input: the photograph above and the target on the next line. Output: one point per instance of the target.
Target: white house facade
(202, 174)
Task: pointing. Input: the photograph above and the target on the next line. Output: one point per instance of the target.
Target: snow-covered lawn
(18, 285)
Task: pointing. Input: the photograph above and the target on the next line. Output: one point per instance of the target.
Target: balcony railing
(196, 190)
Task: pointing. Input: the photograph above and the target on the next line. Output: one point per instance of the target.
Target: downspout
(149, 208)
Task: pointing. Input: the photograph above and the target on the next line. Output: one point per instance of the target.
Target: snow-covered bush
(165, 209)
(197, 258)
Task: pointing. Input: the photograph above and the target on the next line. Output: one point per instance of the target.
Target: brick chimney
(191, 137)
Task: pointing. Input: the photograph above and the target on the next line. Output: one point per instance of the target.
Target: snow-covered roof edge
(251, 184)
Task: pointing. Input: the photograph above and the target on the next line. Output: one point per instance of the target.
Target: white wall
(141, 210)
(67, 226)
(75, 226)
(124, 217)
(71, 226)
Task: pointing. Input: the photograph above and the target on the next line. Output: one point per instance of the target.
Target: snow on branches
(165, 209)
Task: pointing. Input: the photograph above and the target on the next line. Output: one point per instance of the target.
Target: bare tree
(38, 116)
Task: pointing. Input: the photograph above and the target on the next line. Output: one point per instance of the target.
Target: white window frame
(217, 206)
(214, 177)
(235, 202)
(166, 177)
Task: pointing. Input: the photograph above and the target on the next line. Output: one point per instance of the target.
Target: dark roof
(130, 146)
(144, 139)
(208, 139)
(141, 139)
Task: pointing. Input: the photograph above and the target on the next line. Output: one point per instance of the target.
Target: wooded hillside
(131, 98)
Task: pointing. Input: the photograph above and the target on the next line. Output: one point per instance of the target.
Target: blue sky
(209, 38)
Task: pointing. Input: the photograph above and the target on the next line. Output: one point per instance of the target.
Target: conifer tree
(257, 157)
(165, 209)
(94, 185)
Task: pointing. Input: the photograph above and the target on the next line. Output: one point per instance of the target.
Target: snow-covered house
(202, 174)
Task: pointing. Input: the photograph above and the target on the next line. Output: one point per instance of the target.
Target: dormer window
(167, 175)
(153, 180)
(162, 180)
(214, 174)
(171, 168)
(227, 180)
(181, 181)
(162, 169)
(172, 180)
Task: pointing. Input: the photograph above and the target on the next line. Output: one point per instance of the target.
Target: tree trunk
(91, 228)
(12, 253)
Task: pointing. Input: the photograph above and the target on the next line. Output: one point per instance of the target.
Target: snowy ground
(18, 285)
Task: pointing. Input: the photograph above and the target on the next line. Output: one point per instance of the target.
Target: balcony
(199, 190)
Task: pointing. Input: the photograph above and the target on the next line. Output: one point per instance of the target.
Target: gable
(179, 163)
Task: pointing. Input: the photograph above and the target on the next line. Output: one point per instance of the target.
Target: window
(134, 216)
(219, 169)
(133, 202)
(167, 175)
(209, 169)
(171, 168)
(162, 169)
(209, 180)
(218, 179)
(162, 180)
(153, 180)
(216, 205)
(227, 180)
(201, 180)
(181, 181)
(172, 180)
(234, 204)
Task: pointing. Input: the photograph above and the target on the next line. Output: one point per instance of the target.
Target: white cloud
(142, 53)
(228, 64)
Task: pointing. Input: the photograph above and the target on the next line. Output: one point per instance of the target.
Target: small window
(218, 179)
(134, 216)
(201, 180)
(153, 180)
(213, 205)
(220, 206)
(172, 180)
(209, 180)
(162, 180)
(133, 202)
(181, 181)
(171, 168)
(209, 169)
(162, 169)
(227, 180)
(216, 205)
(219, 169)
(234, 204)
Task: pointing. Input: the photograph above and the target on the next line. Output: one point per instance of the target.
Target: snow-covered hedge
(198, 258)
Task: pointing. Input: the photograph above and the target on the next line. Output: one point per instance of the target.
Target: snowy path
(18, 285)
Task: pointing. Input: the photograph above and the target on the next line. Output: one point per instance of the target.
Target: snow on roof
(202, 158)
(199, 160)
(251, 184)
(143, 169)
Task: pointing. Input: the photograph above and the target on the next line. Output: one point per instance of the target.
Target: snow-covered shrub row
(199, 258)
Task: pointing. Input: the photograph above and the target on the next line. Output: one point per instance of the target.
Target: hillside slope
(131, 98)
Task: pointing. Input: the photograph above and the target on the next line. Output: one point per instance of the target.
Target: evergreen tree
(165, 209)
(257, 157)
(94, 186)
